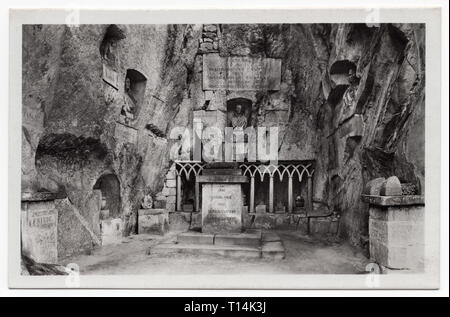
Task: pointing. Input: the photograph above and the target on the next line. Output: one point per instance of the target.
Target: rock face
(351, 98)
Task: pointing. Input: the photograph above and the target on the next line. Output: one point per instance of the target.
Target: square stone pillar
(39, 219)
(396, 231)
(221, 203)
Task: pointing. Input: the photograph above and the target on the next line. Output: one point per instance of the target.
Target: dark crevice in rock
(70, 148)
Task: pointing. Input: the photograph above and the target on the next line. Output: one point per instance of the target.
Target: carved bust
(238, 117)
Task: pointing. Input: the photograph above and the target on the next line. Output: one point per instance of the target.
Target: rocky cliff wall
(355, 127)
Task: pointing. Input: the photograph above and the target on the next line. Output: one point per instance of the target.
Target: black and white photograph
(225, 151)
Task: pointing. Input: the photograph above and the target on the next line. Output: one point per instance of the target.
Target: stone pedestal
(221, 208)
(221, 201)
(39, 219)
(153, 221)
(111, 230)
(396, 231)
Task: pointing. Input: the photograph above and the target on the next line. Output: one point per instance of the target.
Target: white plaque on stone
(221, 208)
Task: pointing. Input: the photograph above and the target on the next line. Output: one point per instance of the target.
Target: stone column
(178, 192)
(271, 194)
(252, 194)
(197, 196)
(396, 231)
(290, 195)
(309, 200)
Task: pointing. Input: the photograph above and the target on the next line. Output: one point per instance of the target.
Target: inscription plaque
(110, 76)
(39, 231)
(240, 73)
(221, 208)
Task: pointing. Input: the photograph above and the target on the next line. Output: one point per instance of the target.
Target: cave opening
(109, 187)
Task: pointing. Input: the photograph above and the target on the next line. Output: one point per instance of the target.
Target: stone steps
(251, 239)
(206, 249)
(251, 244)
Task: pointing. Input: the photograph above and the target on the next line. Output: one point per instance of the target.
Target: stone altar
(221, 208)
(221, 200)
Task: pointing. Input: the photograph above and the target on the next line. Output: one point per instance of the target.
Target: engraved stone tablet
(110, 76)
(221, 208)
(240, 73)
(39, 231)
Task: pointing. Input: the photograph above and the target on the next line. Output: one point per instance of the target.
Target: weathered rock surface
(356, 129)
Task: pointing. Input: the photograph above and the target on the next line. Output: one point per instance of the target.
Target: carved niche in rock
(108, 47)
(134, 91)
(109, 55)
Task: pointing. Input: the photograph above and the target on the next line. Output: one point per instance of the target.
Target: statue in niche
(238, 117)
(147, 202)
(350, 93)
(129, 101)
(108, 47)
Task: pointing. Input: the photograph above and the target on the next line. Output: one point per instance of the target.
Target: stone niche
(134, 91)
(239, 108)
(110, 220)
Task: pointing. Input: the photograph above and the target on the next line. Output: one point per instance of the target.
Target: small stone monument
(222, 198)
(147, 202)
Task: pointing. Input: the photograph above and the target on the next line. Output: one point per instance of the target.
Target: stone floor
(304, 255)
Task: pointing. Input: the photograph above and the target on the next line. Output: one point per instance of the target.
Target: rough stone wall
(71, 138)
(355, 132)
(378, 131)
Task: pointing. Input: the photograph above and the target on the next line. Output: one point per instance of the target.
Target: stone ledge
(41, 196)
(152, 211)
(233, 179)
(394, 200)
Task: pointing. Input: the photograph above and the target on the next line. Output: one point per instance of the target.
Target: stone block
(396, 236)
(171, 175)
(39, 237)
(153, 221)
(169, 191)
(196, 222)
(245, 239)
(193, 237)
(197, 250)
(188, 208)
(264, 221)
(413, 214)
(171, 183)
(270, 237)
(111, 231)
(210, 28)
(171, 199)
(260, 209)
(373, 187)
(160, 204)
(221, 208)
(179, 221)
(391, 187)
(273, 250)
(170, 207)
(319, 226)
(207, 46)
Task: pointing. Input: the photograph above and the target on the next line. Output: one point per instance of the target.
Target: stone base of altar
(248, 244)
